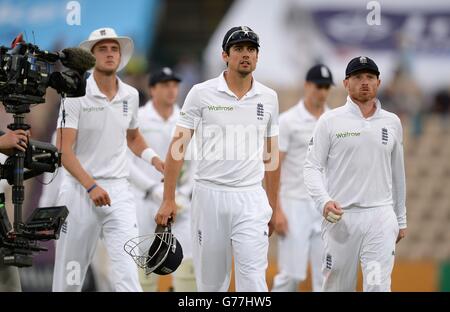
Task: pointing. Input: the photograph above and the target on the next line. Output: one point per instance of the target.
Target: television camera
(25, 73)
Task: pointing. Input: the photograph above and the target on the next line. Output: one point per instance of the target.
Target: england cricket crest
(125, 108)
(384, 136)
(260, 111)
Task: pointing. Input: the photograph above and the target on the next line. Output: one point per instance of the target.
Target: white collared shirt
(230, 132)
(101, 143)
(296, 128)
(157, 133)
(361, 157)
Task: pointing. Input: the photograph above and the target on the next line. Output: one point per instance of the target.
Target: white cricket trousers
(228, 223)
(84, 226)
(363, 235)
(302, 244)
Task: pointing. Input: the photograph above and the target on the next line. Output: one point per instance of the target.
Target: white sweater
(362, 159)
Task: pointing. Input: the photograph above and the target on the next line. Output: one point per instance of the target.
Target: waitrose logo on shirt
(220, 108)
(347, 134)
(92, 109)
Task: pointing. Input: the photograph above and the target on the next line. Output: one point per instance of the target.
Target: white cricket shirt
(101, 143)
(158, 133)
(230, 133)
(362, 159)
(296, 128)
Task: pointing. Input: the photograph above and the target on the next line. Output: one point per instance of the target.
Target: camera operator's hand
(14, 139)
(100, 197)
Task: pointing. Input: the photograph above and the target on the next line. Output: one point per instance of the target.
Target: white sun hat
(126, 43)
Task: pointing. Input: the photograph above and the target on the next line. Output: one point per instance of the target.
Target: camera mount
(25, 73)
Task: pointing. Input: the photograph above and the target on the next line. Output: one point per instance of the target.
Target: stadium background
(411, 47)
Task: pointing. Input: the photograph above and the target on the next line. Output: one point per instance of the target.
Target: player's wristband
(148, 154)
(92, 187)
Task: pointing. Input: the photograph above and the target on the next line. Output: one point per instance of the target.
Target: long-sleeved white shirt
(362, 159)
(296, 128)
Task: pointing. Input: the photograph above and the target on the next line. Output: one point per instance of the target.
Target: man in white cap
(93, 134)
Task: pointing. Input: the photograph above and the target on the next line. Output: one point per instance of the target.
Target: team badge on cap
(320, 74)
(167, 71)
(361, 63)
(162, 75)
(324, 72)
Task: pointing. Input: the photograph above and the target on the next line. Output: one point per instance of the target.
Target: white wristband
(148, 154)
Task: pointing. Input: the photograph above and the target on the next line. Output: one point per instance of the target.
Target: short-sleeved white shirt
(296, 129)
(101, 143)
(230, 132)
(158, 133)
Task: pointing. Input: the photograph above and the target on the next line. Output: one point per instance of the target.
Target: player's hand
(100, 197)
(332, 211)
(168, 210)
(401, 234)
(17, 139)
(158, 164)
(281, 223)
(272, 221)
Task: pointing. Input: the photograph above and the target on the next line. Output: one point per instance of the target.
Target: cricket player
(93, 139)
(157, 122)
(359, 147)
(49, 197)
(235, 119)
(298, 225)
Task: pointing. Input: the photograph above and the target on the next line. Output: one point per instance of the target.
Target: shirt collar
(354, 108)
(152, 114)
(305, 114)
(223, 87)
(95, 91)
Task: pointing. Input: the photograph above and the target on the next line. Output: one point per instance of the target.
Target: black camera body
(43, 224)
(39, 157)
(25, 73)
